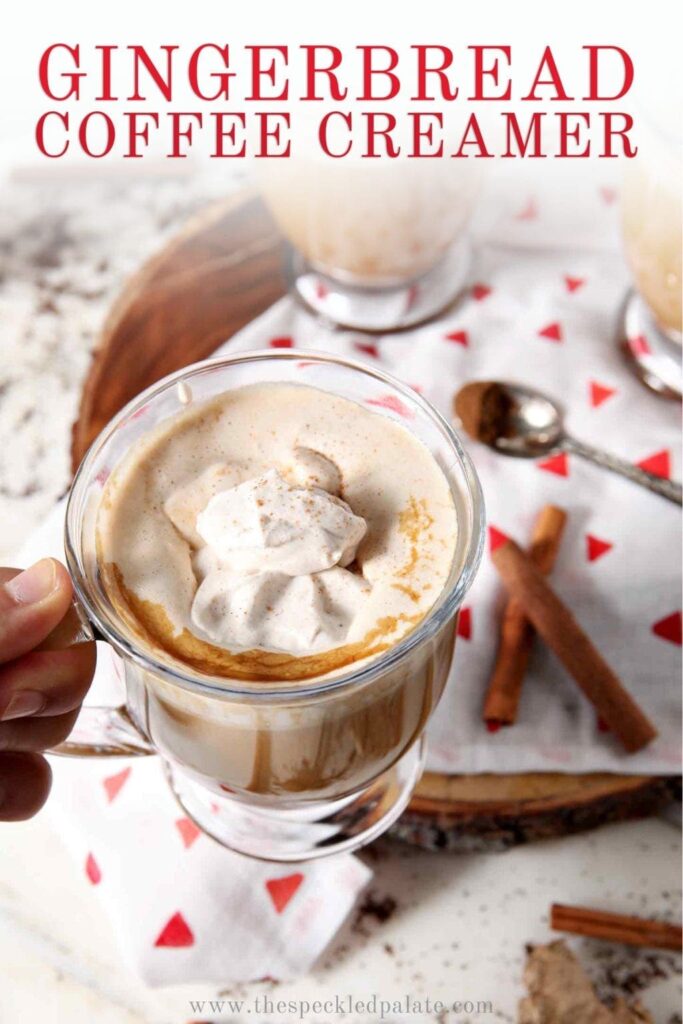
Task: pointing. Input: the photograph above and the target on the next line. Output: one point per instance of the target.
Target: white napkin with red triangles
(545, 287)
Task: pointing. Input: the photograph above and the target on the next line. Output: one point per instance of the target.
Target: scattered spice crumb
(379, 908)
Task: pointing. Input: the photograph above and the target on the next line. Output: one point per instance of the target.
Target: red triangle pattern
(281, 890)
(465, 623)
(480, 292)
(113, 784)
(670, 628)
(412, 296)
(189, 832)
(528, 212)
(92, 870)
(574, 283)
(393, 403)
(496, 538)
(599, 393)
(459, 337)
(367, 349)
(553, 332)
(281, 343)
(596, 548)
(175, 933)
(659, 464)
(639, 346)
(557, 464)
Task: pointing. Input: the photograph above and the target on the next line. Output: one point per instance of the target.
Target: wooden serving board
(219, 273)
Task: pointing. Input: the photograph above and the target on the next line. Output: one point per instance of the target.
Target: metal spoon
(534, 427)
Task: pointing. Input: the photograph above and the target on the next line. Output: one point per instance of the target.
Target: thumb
(32, 603)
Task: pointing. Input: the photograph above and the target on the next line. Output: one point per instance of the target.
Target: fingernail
(23, 704)
(35, 584)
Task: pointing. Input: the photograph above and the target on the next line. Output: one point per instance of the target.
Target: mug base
(391, 307)
(655, 358)
(315, 829)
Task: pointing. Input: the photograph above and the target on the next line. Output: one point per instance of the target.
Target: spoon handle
(667, 488)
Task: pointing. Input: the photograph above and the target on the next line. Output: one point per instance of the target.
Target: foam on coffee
(150, 549)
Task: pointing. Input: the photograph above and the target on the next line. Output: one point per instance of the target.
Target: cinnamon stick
(562, 633)
(598, 924)
(516, 632)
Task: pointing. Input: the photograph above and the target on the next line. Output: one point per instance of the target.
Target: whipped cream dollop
(273, 564)
(268, 524)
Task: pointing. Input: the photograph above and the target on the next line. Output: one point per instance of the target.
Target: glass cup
(375, 245)
(277, 770)
(651, 224)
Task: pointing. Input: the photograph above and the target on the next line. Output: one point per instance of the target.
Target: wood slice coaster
(219, 273)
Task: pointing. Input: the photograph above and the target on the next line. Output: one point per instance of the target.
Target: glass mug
(376, 245)
(653, 240)
(280, 771)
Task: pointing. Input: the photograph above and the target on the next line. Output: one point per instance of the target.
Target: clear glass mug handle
(99, 731)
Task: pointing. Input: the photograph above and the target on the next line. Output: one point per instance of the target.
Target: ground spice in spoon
(484, 409)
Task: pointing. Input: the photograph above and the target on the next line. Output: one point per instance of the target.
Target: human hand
(40, 690)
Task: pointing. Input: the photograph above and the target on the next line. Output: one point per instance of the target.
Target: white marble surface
(460, 923)
(66, 247)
